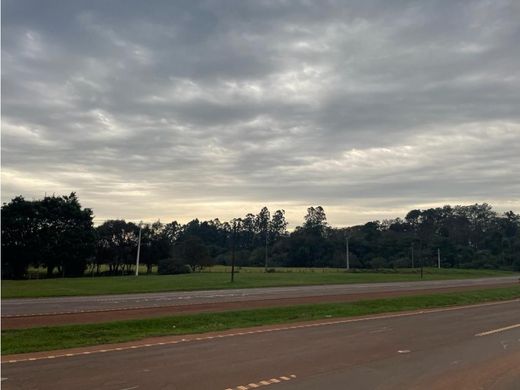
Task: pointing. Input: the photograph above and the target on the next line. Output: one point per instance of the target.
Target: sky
(173, 110)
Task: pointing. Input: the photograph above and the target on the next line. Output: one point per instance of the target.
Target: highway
(84, 304)
(476, 347)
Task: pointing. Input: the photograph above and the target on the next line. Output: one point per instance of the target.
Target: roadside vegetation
(58, 235)
(70, 336)
(219, 278)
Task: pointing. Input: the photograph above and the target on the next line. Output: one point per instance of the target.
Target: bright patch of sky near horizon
(176, 110)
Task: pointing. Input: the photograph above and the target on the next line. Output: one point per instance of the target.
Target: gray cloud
(184, 109)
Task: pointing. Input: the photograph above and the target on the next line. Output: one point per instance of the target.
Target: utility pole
(266, 255)
(233, 251)
(347, 252)
(138, 251)
(439, 258)
(421, 259)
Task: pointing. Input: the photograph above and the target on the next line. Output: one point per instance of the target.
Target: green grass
(247, 277)
(60, 337)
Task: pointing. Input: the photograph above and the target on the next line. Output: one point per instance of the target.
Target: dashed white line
(498, 330)
(265, 382)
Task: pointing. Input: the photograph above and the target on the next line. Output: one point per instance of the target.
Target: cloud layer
(209, 109)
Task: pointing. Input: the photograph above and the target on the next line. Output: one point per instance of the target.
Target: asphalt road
(60, 305)
(474, 347)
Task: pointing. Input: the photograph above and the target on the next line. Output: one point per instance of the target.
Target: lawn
(69, 336)
(219, 278)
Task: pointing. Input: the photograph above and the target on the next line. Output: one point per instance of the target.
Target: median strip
(254, 331)
(72, 336)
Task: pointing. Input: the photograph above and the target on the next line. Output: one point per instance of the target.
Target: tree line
(57, 233)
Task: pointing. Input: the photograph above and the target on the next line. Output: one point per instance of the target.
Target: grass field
(60, 337)
(219, 279)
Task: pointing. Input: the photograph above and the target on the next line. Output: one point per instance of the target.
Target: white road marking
(4, 379)
(383, 329)
(262, 383)
(498, 330)
(404, 351)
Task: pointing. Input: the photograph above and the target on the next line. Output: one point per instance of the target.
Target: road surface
(463, 348)
(83, 304)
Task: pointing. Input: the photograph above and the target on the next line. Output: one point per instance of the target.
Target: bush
(378, 262)
(173, 266)
(402, 262)
(257, 257)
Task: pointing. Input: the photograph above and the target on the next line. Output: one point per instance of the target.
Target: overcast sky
(176, 110)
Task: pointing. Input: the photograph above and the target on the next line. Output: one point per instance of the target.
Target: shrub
(172, 266)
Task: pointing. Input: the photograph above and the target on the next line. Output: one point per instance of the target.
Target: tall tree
(19, 237)
(315, 220)
(117, 244)
(56, 232)
(278, 226)
(67, 236)
(155, 244)
(263, 220)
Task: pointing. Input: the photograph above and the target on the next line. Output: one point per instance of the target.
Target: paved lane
(463, 348)
(51, 306)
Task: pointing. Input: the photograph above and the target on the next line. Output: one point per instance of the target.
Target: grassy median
(247, 277)
(60, 337)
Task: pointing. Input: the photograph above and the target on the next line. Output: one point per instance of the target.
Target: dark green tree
(55, 232)
(20, 237)
(194, 252)
(315, 220)
(278, 225)
(117, 245)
